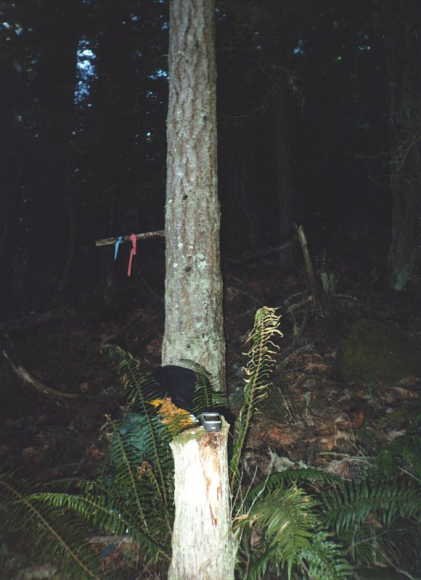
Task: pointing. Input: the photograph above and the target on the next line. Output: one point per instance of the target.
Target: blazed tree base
(203, 545)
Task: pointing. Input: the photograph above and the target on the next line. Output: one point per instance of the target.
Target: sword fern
(260, 362)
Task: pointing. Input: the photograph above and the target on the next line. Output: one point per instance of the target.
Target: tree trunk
(283, 173)
(203, 544)
(193, 284)
(402, 250)
(401, 43)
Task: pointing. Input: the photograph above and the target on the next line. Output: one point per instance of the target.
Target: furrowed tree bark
(203, 544)
(193, 284)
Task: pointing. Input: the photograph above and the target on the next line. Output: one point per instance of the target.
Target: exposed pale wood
(203, 546)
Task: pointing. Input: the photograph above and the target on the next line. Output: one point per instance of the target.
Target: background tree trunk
(283, 172)
(203, 544)
(193, 283)
(404, 127)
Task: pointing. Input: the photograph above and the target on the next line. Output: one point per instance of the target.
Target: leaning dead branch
(26, 377)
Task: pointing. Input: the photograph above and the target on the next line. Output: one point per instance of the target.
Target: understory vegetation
(295, 523)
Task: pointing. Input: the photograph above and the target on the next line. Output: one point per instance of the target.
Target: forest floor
(347, 384)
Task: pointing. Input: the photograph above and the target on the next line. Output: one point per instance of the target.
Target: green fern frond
(56, 533)
(291, 476)
(404, 452)
(141, 432)
(325, 559)
(106, 514)
(205, 396)
(137, 382)
(133, 497)
(348, 505)
(134, 483)
(126, 476)
(291, 539)
(372, 545)
(94, 509)
(261, 359)
(286, 519)
(153, 436)
(141, 459)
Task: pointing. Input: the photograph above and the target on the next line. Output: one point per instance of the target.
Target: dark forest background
(319, 126)
(314, 101)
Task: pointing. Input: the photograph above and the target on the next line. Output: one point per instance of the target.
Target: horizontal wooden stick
(144, 236)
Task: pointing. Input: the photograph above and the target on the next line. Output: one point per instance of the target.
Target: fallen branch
(29, 379)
